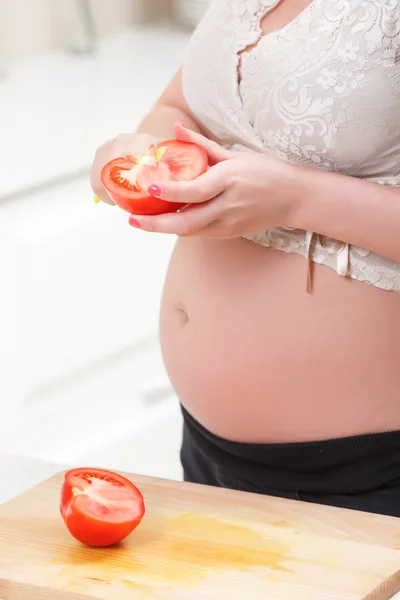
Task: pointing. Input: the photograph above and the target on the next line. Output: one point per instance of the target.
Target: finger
(209, 185)
(100, 193)
(99, 190)
(216, 153)
(121, 145)
(182, 223)
(113, 148)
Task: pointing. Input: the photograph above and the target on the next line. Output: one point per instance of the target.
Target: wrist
(298, 194)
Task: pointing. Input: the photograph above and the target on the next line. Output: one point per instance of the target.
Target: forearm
(160, 121)
(351, 210)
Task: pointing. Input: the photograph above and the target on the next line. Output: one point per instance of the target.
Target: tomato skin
(96, 533)
(186, 160)
(143, 204)
(88, 526)
(66, 497)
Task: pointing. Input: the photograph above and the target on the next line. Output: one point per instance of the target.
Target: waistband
(348, 465)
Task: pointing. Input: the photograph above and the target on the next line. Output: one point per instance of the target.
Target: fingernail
(154, 190)
(96, 199)
(183, 125)
(134, 223)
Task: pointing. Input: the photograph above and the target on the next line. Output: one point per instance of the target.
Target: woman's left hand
(242, 193)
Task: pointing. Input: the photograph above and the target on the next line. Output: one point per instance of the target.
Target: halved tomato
(100, 508)
(128, 178)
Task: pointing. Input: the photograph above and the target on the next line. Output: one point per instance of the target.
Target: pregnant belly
(255, 358)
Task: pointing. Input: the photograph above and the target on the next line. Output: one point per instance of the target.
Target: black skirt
(360, 473)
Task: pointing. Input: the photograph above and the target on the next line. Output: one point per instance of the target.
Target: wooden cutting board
(199, 543)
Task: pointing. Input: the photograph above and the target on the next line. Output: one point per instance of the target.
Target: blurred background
(82, 380)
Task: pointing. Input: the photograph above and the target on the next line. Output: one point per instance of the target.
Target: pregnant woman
(280, 320)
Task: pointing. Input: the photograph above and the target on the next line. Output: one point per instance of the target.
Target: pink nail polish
(154, 190)
(134, 223)
(183, 125)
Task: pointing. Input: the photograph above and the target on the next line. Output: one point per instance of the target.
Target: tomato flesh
(100, 508)
(128, 178)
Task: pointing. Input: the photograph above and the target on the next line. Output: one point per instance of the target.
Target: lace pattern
(323, 92)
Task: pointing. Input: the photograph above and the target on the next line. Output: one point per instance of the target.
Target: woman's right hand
(136, 144)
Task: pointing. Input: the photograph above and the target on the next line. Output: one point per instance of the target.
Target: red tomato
(127, 179)
(100, 508)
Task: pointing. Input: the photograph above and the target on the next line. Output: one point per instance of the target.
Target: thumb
(216, 153)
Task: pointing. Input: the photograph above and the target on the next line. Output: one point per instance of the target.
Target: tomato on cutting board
(100, 508)
(128, 178)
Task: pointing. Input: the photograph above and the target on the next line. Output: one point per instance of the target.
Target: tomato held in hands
(100, 508)
(128, 178)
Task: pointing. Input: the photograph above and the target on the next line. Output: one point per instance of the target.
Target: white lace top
(323, 91)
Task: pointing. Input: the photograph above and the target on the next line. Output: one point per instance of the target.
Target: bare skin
(254, 357)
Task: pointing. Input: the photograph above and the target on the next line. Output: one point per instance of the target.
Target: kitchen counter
(18, 473)
(64, 105)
